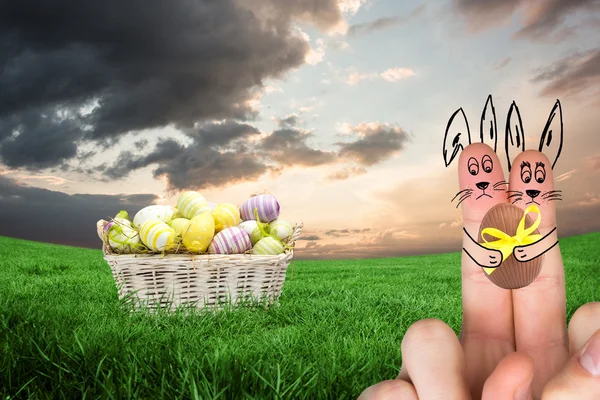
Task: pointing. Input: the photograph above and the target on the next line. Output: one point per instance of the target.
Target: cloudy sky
(336, 107)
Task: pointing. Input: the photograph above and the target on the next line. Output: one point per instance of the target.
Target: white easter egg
(157, 212)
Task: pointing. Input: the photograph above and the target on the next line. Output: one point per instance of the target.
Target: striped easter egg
(267, 205)
(226, 215)
(268, 246)
(252, 228)
(191, 204)
(233, 240)
(212, 205)
(281, 228)
(199, 232)
(159, 212)
(157, 235)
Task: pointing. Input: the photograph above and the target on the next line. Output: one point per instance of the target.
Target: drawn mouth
(485, 194)
(532, 201)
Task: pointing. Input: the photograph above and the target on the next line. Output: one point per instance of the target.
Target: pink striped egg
(233, 240)
(267, 205)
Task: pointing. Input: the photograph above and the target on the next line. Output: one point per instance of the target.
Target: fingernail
(524, 392)
(590, 359)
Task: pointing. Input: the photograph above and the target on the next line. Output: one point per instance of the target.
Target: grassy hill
(337, 331)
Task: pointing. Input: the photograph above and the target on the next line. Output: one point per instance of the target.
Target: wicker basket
(200, 281)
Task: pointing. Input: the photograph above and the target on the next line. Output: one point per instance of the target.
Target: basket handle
(296, 233)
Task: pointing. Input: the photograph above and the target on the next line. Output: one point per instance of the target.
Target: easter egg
(267, 205)
(251, 227)
(157, 235)
(268, 246)
(199, 233)
(226, 215)
(156, 212)
(122, 237)
(281, 228)
(212, 205)
(191, 204)
(511, 273)
(233, 240)
(179, 225)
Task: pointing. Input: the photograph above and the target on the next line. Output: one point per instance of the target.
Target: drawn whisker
(515, 195)
(518, 199)
(501, 189)
(500, 183)
(461, 192)
(514, 191)
(554, 198)
(463, 199)
(552, 192)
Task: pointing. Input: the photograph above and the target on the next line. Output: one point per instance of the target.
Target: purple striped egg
(267, 205)
(233, 240)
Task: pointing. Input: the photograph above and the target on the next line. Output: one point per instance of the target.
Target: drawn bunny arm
(534, 250)
(482, 256)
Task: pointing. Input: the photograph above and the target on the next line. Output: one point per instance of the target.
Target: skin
(522, 347)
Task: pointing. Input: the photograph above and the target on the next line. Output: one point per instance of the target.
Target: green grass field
(338, 329)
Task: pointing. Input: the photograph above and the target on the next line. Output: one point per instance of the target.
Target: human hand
(435, 361)
(496, 322)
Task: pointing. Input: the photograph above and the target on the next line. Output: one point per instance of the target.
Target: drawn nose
(482, 185)
(532, 193)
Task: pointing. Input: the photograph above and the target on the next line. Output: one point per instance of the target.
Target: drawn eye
(526, 172)
(487, 164)
(473, 166)
(540, 173)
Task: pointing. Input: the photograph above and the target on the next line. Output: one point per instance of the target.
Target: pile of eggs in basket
(198, 226)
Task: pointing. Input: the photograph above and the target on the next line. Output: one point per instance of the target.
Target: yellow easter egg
(157, 235)
(180, 225)
(199, 233)
(226, 215)
(190, 204)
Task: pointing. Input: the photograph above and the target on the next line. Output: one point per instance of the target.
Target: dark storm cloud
(48, 216)
(377, 142)
(542, 18)
(137, 65)
(382, 23)
(571, 74)
(203, 163)
(225, 153)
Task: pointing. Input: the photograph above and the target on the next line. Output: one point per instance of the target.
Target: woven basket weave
(201, 281)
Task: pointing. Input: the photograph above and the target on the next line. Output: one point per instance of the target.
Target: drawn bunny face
(480, 175)
(531, 173)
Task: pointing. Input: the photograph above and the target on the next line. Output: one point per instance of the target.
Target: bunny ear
(515, 137)
(550, 144)
(488, 129)
(458, 140)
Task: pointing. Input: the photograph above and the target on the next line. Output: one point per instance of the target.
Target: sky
(338, 108)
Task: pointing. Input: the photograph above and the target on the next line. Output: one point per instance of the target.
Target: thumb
(580, 379)
(511, 380)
